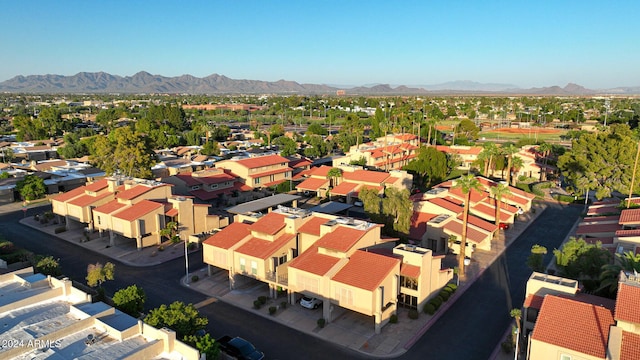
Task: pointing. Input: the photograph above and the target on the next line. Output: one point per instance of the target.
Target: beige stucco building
(260, 171)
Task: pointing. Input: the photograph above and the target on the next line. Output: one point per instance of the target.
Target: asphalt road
(475, 323)
(469, 330)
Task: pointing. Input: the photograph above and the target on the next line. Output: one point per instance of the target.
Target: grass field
(545, 134)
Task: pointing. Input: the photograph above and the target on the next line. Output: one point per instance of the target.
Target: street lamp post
(186, 259)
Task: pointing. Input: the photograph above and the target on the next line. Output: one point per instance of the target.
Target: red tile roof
(630, 232)
(229, 236)
(64, 197)
(479, 222)
(344, 189)
(341, 239)
(586, 229)
(321, 171)
(264, 249)
(86, 200)
(533, 301)
(418, 226)
(208, 195)
(313, 184)
(133, 192)
(366, 270)
(630, 346)
(261, 161)
(406, 137)
(376, 177)
(171, 212)
(390, 180)
(215, 179)
(603, 210)
(409, 270)
(628, 303)
(476, 196)
(312, 262)
(109, 207)
(630, 216)
(490, 211)
(270, 172)
(574, 325)
(138, 210)
(473, 235)
(97, 185)
(448, 205)
(312, 226)
(297, 163)
(269, 224)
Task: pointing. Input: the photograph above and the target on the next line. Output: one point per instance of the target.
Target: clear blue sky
(525, 43)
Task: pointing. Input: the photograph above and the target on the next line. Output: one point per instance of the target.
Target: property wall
(542, 350)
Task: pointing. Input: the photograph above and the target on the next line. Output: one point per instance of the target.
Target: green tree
(126, 152)
(489, 153)
(130, 300)
(509, 151)
(107, 118)
(610, 273)
(499, 191)
(31, 187)
(97, 273)
(430, 164)
(170, 231)
(398, 208)
(205, 344)
(601, 161)
(535, 261)
(467, 129)
(582, 261)
(47, 265)
(184, 319)
(316, 129)
(466, 184)
(210, 148)
(286, 145)
(29, 128)
(370, 201)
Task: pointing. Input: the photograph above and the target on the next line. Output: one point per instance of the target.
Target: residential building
(386, 153)
(466, 155)
(336, 259)
(45, 317)
(260, 171)
(133, 209)
(206, 184)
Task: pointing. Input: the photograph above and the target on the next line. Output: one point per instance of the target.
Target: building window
(214, 186)
(195, 187)
(99, 220)
(565, 357)
(254, 268)
(256, 181)
(243, 265)
(408, 282)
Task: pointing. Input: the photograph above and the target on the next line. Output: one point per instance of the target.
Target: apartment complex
(260, 171)
(389, 152)
(342, 261)
(45, 317)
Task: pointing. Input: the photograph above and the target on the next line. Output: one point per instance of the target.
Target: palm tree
(509, 151)
(545, 148)
(498, 192)
(333, 175)
(516, 164)
(611, 272)
(489, 152)
(466, 184)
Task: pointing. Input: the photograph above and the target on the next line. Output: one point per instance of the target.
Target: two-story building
(260, 171)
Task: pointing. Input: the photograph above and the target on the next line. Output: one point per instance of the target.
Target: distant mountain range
(145, 83)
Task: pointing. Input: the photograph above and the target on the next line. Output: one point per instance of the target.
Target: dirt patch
(525, 131)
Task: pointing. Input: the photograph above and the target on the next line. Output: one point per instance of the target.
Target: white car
(310, 302)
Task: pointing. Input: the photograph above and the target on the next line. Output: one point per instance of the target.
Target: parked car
(358, 203)
(239, 348)
(310, 302)
(504, 226)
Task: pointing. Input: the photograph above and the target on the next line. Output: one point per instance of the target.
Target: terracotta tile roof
(321, 171)
(269, 224)
(49, 164)
(313, 184)
(473, 235)
(406, 137)
(574, 325)
(109, 207)
(391, 180)
(476, 196)
(312, 262)
(601, 219)
(271, 172)
(86, 200)
(297, 163)
(448, 205)
(630, 216)
(479, 222)
(603, 210)
(628, 303)
(344, 189)
(171, 212)
(630, 346)
(366, 270)
(188, 179)
(208, 195)
(418, 226)
(133, 192)
(341, 239)
(138, 210)
(586, 229)
(261, 161)
(312, 226)
(264, 249)
(64, 197)
(490, 211)
(630, 232)
(229, 236)
(533, 301)
(472, 150)
(409, 270)
(97, 185)
(376, 177)
(216, 179)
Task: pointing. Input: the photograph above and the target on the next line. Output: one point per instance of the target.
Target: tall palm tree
(466, 184)
(498, 192)
(489, 152)
(611, 272)
(516, 164)
(333, 175)
(545, 148)
(509, 151)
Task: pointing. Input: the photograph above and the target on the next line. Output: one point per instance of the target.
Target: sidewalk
(352, 330)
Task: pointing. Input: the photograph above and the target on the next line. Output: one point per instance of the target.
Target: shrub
(257, 304)
(436, 301)
(272, 310)
(283, 305)
(413, 314)
(195, 278)
(191, 246)
(393, 318)
(429, 308)
(161, 248)
(175, 239)
(444, 295)
(452, 286)
(59, 229)
(262, 299)
(321, 322)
